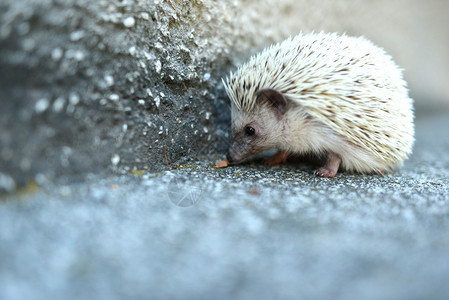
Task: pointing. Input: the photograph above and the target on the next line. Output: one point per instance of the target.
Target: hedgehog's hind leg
(330, 169)
(279, 158)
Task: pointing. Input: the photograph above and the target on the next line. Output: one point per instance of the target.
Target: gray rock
(83, 82)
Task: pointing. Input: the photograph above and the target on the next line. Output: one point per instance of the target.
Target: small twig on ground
(166, 159)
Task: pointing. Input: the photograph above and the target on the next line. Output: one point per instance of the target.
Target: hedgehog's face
(258, 129)
(249, 138)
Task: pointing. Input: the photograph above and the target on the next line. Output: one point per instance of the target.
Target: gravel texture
(244, 232)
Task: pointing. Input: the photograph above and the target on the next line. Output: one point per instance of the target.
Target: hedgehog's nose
(229, 158)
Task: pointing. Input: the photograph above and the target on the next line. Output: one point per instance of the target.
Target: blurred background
(414, 32)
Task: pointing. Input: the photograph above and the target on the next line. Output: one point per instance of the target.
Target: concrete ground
(245, 232)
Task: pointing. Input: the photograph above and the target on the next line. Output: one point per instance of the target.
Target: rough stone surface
(85, 81)
(88, 86)
(244, 232)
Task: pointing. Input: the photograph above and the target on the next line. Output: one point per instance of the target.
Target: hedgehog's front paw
(279, 158)
(325, 172)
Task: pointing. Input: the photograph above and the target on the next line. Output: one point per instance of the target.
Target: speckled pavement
(244, 232)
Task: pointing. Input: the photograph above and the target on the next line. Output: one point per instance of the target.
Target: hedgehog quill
(338, 97)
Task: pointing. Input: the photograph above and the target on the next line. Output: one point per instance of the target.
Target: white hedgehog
(325, 94)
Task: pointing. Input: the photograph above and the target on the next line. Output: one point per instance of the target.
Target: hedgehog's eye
(250, 130)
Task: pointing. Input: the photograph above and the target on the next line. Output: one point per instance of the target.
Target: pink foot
(278, 158)
(331, 167)
(326, 173)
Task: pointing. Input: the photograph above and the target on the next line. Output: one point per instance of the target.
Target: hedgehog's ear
(275, 100)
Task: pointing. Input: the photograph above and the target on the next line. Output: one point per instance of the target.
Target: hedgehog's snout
(233, 156)
(237, 152)
(230, 158)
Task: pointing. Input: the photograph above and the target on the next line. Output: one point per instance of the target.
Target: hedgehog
(334, 96)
